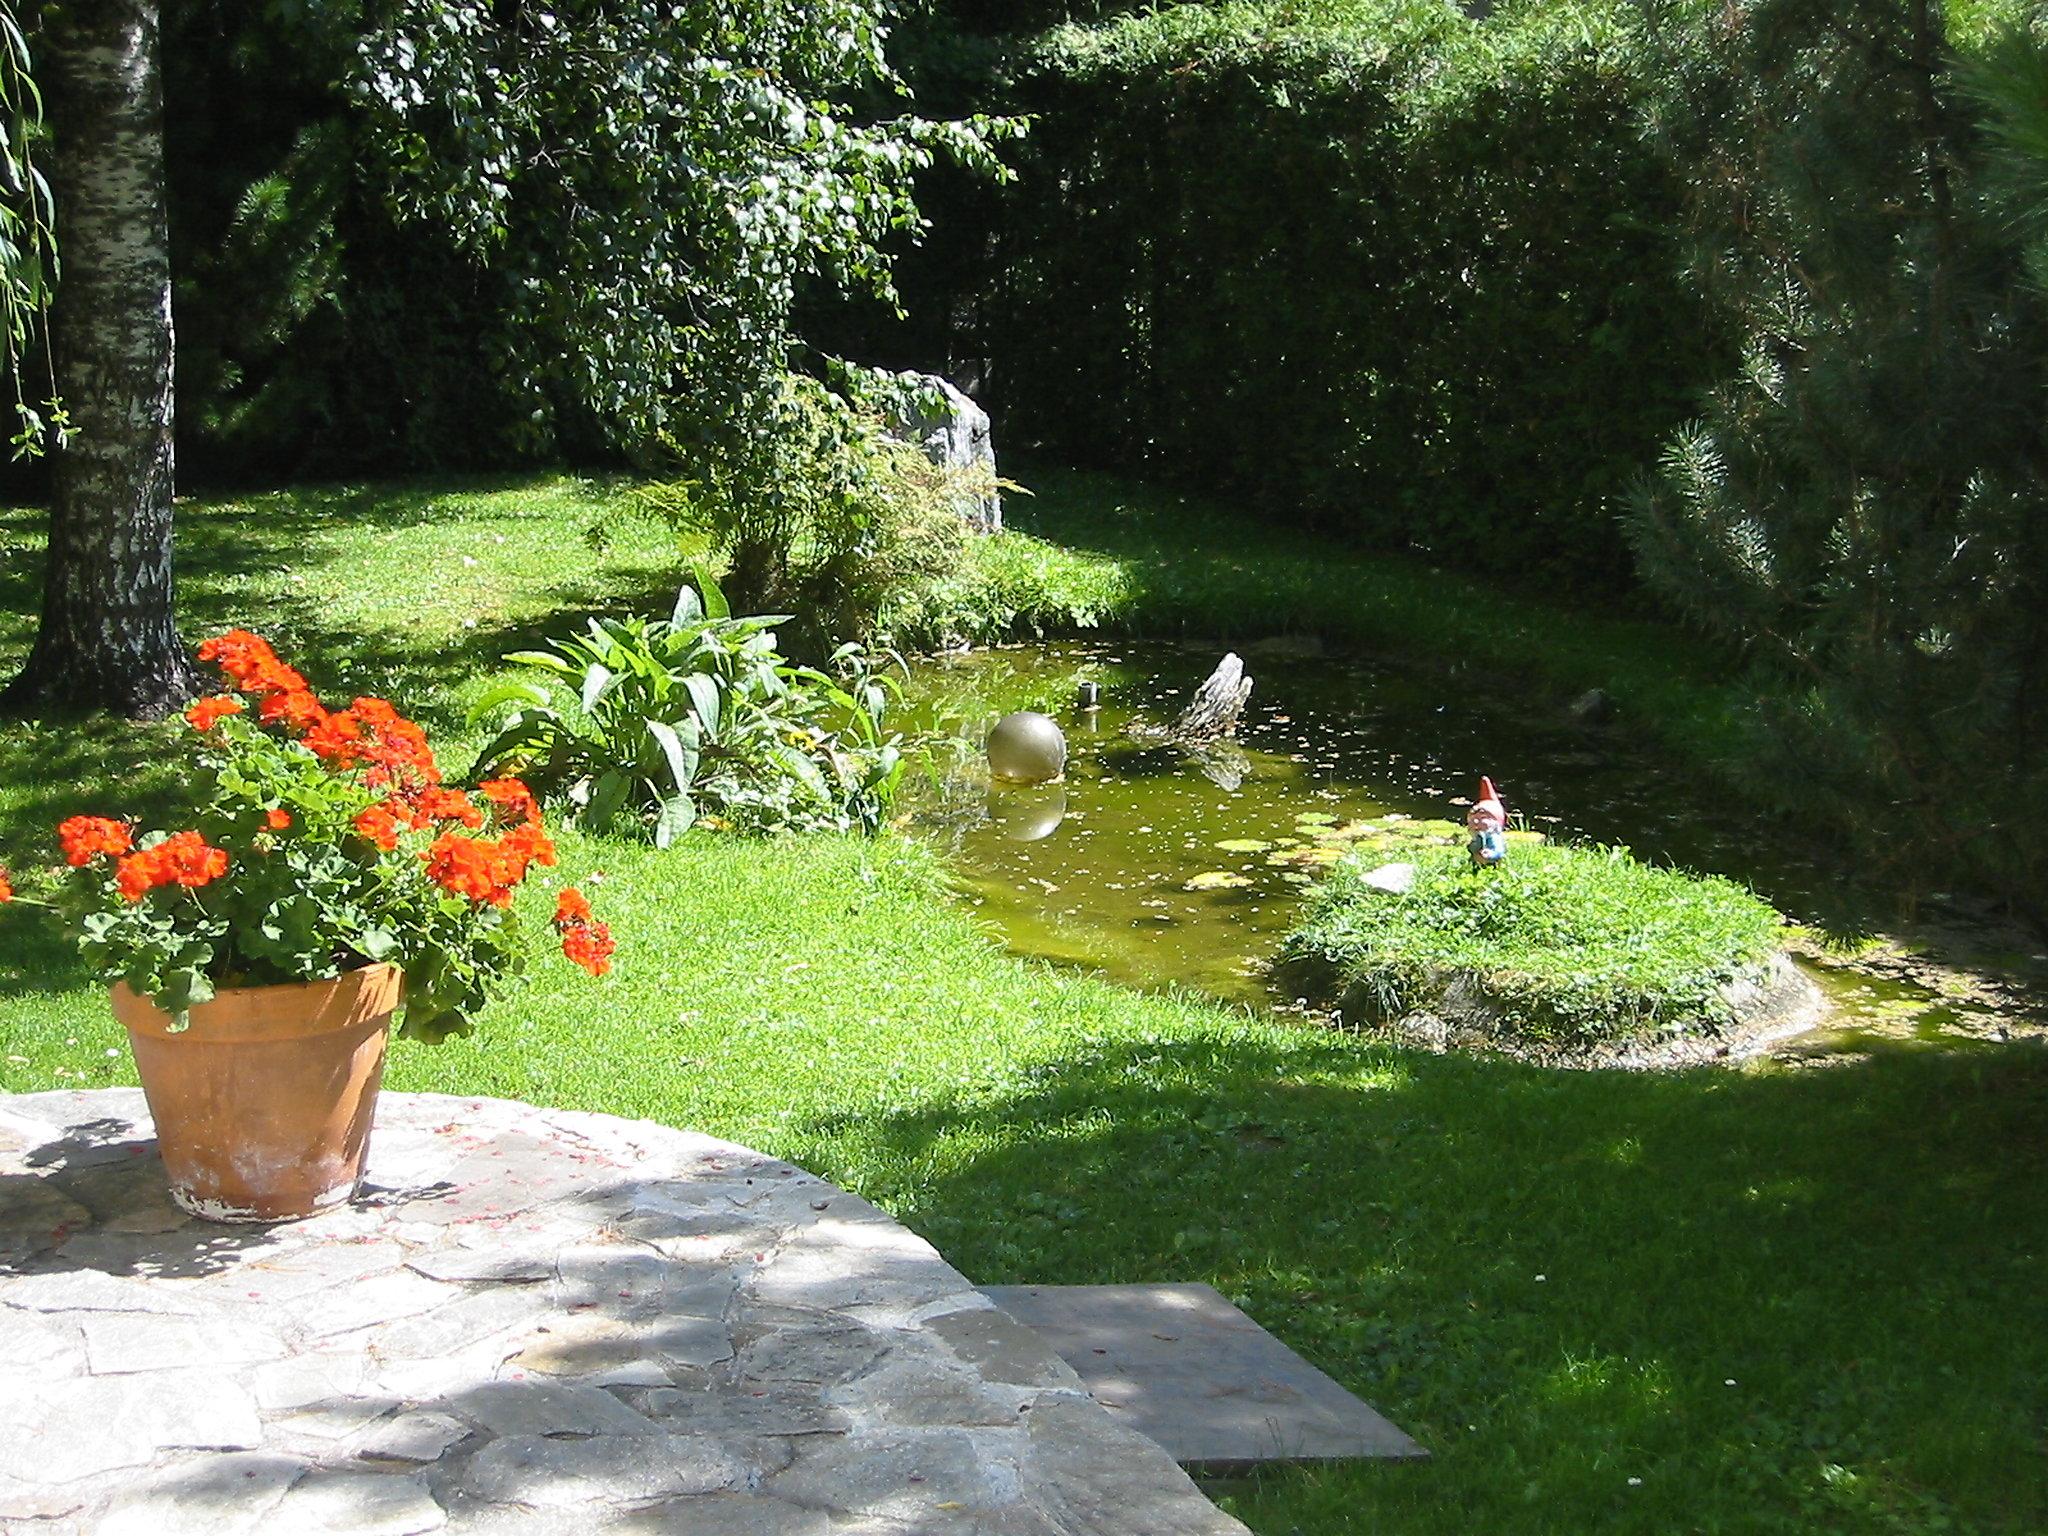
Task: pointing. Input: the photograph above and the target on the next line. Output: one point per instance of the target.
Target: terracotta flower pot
(263, 1104)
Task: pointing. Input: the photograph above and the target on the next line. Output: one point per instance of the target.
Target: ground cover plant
(1560, 945)
(1757, 1301)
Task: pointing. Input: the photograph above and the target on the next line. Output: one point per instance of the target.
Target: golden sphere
(1027, 748)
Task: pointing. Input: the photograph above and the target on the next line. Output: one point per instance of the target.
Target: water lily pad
(1243, 845)
(1348, 832)
(1314, 819)
(1217, 880)
(1316, 856)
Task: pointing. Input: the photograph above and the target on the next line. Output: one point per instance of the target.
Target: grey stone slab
(826, 1351)
(607, 1470)
(472, 1318)
(746, 1408)
(1002, 1349)
(727, 1514)
(289, 1275)
(623, 1352)
(198, 1410)
(437, 1379)
(914, 1390)
(904, 1475)
(379, 1298)
(331, 1502)
(307, 1380)
(1182, 1366)
(521, 1265)
(90, 1290)
(515, 1408)
(35, 1217)
(628, 1281)
(45, 1347)
(75, 1429)
(43, 1503)
(121, 1342)
(416, 1437)
(232, 1495)
(1096, 1478)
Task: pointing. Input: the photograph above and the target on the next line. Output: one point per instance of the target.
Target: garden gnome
(1488, 821)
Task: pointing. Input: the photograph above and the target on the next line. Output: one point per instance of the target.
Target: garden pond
(1160, 868)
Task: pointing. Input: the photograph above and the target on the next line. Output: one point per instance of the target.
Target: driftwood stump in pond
(1204, 729)
(1217, 704)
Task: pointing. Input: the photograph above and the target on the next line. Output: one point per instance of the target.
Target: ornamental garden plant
(330, 878)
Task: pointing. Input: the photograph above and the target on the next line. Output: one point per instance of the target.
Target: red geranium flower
(85, 838)
(6, 887)
(379, 823)
(296, 709)
(183, 858)
(276, 819)
(437, 804)
(590, 946)
(468, 866)
(207, 713)
(513, 799)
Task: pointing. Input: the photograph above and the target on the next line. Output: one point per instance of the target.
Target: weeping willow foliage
(28, 244)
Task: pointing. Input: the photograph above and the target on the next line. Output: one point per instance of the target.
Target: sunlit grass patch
(1559, 943)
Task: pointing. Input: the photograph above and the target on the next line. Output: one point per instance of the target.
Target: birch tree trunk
(107, 640)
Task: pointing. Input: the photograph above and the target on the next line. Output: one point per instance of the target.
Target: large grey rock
(954, 433)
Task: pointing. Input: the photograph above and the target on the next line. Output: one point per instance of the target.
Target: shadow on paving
(611, 1324)
(1530, 1269)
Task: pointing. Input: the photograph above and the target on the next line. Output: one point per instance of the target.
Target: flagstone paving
(532, 1322)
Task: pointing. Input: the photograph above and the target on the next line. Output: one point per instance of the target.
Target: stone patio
(1187, 1370)
(535, 1321)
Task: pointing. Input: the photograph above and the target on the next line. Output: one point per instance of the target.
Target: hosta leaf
(507, 693)
(606, 796)
(704, 700)
(682, 761)
(678, 815)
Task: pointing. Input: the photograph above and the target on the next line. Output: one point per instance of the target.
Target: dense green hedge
(1406, 274)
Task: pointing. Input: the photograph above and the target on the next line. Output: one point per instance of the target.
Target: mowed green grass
(1741, 1301)
(1567, 943)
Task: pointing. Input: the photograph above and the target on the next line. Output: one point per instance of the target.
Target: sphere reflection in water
(1027, 815)
(1027, 748)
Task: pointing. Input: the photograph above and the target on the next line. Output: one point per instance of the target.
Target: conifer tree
(1863, 506)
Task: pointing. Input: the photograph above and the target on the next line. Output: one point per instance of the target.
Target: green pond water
(1159, 869)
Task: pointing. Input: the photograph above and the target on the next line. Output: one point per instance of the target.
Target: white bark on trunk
(107, 639)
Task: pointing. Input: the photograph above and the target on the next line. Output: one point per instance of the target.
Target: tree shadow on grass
(1538, 1272)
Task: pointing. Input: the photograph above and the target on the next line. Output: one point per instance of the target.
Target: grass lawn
(1736, 1301)
(1564, 944)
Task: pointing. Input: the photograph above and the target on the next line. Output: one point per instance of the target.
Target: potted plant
(257, 957)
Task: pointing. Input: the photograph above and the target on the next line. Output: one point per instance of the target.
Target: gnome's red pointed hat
(1488, 803)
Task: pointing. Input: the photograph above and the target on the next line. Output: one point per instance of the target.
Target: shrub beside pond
(1563, 946)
